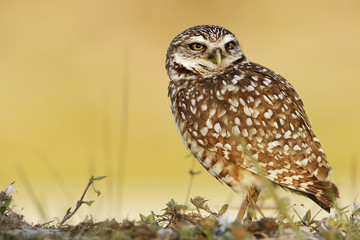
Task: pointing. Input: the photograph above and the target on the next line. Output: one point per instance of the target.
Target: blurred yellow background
(83, 91)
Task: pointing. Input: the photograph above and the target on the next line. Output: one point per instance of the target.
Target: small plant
(70, 213)
(308, 221)
(343, 224)
(201, 222)
(6, 198)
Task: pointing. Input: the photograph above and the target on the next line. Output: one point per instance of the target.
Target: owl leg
(253, 196)
(249, 200)
(243, 207)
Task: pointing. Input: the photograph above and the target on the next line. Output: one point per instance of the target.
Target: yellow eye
(197, 46)
(230, 45)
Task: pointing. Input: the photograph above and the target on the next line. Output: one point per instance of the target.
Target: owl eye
(197, 46)
(230, 45)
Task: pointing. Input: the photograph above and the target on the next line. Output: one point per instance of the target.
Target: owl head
(204, 51)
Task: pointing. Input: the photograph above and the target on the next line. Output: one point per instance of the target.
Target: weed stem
(78, 204)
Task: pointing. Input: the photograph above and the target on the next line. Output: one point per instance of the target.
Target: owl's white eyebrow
(228, 38)
(199, 39)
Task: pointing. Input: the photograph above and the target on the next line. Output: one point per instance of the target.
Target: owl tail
(323, 193)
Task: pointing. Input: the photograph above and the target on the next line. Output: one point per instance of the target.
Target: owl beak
(217, 57)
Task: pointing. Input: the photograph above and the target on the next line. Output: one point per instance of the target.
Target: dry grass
(193, 221)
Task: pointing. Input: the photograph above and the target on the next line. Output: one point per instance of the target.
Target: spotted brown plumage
(226, 106)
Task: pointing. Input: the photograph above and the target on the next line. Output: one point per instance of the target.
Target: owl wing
(288, 135)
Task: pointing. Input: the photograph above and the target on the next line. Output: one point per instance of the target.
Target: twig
(69, 214)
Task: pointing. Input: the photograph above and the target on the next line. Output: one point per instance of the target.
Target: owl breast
(201, 116)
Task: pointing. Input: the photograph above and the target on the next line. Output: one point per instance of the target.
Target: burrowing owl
(226, 107)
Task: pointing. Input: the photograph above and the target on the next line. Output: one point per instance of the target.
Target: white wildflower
(10, 189)
(356, 206)
(334, 214)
